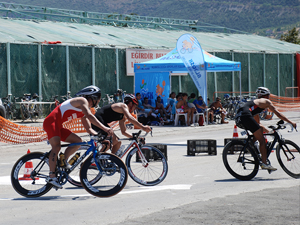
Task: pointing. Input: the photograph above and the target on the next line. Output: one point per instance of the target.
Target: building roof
(34, 31)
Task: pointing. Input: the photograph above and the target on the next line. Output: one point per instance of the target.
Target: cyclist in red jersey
(78, 107)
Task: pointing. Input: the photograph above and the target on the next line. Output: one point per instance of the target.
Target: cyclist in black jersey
(119, 112)
(248, 118)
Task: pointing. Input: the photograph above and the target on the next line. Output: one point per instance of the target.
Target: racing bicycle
(101, 174)
(242, 158)
(146, 164)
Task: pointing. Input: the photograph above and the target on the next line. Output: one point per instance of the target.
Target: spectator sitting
(202, 108)
(160, 108)
(182, 107)
(216, 107)
(171, 105)
(140, 107)
(191, 100)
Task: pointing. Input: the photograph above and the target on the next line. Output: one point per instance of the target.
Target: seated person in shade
(171, 103)
(140, 107)
(202, 108)
(191, 100)
(160, 108)
(182, 107)
(216, 107)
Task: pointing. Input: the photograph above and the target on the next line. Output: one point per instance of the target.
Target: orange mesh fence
(13, 133)
(18, 134)
(286, 103)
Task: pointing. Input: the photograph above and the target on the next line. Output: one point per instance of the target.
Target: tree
(291, 36)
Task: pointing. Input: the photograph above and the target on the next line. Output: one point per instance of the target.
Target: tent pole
(240, 82)
(205, 100)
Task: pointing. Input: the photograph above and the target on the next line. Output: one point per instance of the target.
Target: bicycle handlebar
(281, 125)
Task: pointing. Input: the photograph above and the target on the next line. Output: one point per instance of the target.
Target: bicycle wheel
(28, 175)
(24, 112)
(74, 176)
(151, 172)
(289, 158)
(107, 183)
(239, 161)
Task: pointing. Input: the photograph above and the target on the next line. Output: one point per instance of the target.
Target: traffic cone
(28, 170)
(235, 133)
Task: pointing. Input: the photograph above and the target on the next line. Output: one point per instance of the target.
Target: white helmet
(261, 91)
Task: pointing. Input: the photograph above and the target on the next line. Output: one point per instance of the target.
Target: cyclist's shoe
(267, 167)
(54, 182)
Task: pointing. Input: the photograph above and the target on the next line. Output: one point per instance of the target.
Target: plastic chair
(196, 117)
(177, 115)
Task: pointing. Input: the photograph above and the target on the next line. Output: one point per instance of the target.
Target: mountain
(245, 15)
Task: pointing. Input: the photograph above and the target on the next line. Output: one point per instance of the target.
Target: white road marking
(5, 180)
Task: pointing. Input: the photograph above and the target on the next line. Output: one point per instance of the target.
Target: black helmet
(90, 91)
(130, 98)
(261, 91)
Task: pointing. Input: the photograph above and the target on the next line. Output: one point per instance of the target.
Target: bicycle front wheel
(28, 175)
(240, 161)
(150, 172)
(107, 183)
(288, 156)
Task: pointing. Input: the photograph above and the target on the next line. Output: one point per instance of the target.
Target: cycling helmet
(130, 98)
(90, 91)
(261, 91)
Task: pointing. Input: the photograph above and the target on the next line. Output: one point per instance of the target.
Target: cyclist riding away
(248, 118)
(119, 112)
(78, 107)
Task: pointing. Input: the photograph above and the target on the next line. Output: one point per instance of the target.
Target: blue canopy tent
(172, 63)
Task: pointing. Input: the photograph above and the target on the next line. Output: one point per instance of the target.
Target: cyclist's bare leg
(72, 138)
(55, 144)
(116, 144)
(262, 144)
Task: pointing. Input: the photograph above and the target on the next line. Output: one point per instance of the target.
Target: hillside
(245, 15)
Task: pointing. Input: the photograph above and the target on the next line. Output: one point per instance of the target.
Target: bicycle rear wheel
(24, 112)
(28, 175)
(288, 156)
(151, 172)
(239, 161)
(107, 183)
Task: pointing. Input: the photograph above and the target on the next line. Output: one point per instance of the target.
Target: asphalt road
(197, 190)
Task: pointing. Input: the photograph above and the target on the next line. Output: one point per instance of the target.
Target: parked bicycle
(10, 107)
(146, 164)
(31, 110)
(101, 174)
(241, 158)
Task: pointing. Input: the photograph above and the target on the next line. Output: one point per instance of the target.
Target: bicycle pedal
(56, 188)
(271, 171)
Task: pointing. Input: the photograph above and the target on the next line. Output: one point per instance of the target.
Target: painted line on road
(6, 181)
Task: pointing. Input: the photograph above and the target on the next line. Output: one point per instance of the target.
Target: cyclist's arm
(87, 126)
(280, 115)
(84, 106)
(133, 120)
(123, 128)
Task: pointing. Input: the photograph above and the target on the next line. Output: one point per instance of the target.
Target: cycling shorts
(247, 123)
(53, 126)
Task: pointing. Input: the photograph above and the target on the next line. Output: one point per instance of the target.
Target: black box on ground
(198, 146)
(149, 154)
(236, 147)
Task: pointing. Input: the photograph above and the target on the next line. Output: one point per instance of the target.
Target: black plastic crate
(149, 154)
(203, 145)
(236, 147)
